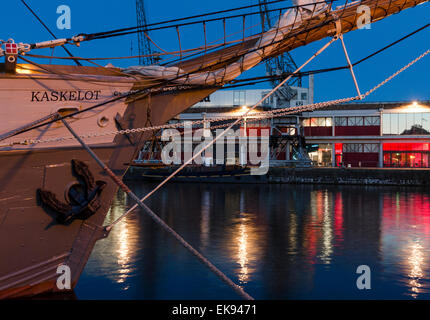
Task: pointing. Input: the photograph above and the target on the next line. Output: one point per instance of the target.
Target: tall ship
(53, 196)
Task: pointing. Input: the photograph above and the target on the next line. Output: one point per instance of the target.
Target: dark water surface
(276, 241)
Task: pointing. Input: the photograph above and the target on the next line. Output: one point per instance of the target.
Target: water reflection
(415, 260)
(276, 241)
(242, 254)
(245, 239)
(205, 219)
(406, 219)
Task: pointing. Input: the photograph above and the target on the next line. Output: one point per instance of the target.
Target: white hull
(27, 98)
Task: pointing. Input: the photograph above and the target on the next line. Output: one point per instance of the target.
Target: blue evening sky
(97, 15)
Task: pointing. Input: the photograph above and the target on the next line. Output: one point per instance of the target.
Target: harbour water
(276, 241)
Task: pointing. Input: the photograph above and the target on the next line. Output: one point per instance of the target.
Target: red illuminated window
(406, 146)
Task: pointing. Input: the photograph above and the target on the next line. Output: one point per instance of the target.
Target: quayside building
(377, 134)
(359, 134)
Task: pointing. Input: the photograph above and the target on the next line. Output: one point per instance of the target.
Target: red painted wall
(367, 159)
(357, 131)
(318, 131)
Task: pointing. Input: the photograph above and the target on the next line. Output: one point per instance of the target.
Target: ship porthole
(103, 121)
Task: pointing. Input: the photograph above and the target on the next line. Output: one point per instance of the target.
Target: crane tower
(283, 64)
(144, 45)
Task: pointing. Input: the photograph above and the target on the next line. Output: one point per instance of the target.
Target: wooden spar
(317, 28)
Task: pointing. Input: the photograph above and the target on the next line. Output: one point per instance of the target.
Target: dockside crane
(283, 64)
(144, 45)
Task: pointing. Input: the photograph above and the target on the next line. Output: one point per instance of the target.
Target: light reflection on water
(276, 241)
(413, 253)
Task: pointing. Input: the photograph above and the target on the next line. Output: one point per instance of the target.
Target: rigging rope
(50, 32)
(234, 81)
(260, 115)
(255, 80)
(146, 28)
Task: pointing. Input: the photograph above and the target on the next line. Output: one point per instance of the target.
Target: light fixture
(244, 108)
(414, 107)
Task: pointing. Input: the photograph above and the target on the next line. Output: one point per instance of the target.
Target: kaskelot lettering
(74, 95)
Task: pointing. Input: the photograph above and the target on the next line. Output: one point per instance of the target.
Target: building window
(314, 122)
(317, 122)
(352, 147)
(406, 155)
(304, 96)
(361, 147)
(372, 121)
(355, 121)
(406, 123)
(239, 98)
(268, 101)
(340, 121)
(320, 154)
(371, 147)
(321, 122)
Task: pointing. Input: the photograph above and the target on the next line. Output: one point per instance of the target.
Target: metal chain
(254, 117)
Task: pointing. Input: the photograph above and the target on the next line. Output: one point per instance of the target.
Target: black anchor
(83, 198)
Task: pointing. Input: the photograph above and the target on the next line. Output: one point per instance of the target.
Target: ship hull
(33, 243)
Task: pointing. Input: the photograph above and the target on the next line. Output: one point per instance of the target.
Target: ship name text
(74, 95)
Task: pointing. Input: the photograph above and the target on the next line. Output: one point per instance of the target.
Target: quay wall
(334, 176)
(353, 176)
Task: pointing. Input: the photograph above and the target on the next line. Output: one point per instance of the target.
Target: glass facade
(357, 121)
(406, 155)
(317, 122)
(239, 98)
(321, 154)
(406, 123)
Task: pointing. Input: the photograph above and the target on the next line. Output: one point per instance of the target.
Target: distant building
(377, 134)
(238, 98)
(224, 103)
(383, 134)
